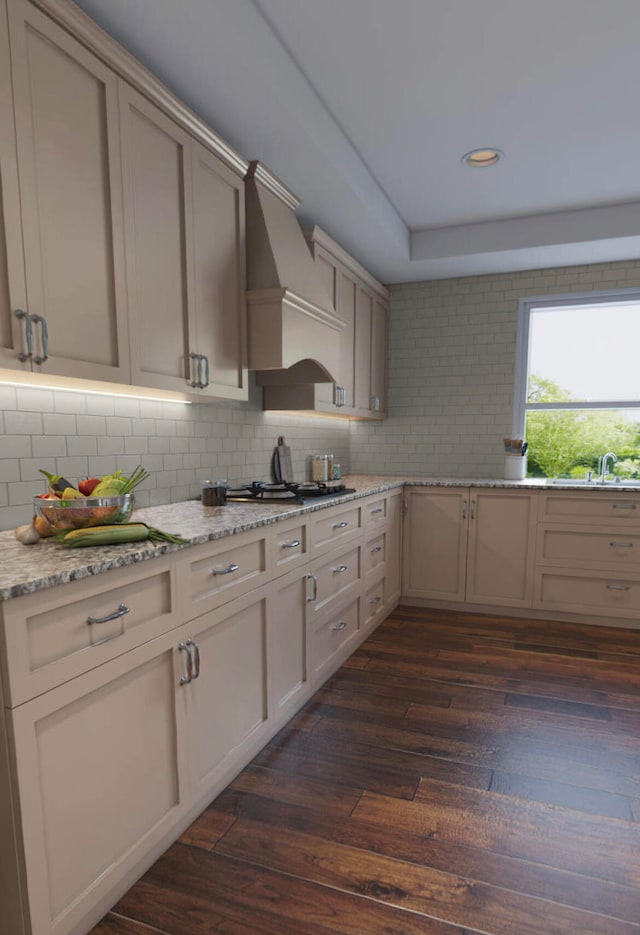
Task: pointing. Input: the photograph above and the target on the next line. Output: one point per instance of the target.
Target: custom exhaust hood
(293, 329)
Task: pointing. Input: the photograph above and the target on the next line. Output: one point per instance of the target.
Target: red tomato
(87, 486)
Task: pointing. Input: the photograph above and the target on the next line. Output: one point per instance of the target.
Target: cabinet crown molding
(315, 234)
(66, 14)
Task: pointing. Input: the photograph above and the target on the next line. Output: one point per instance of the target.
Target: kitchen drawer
(591, 508)
(333, 639)
(375, 511)
(333, 576)
(54, 635)
(581, 592)
(373, 604)
(290, 545)
(374, 553)
(336, 525)
(212, 574)
(596, 547)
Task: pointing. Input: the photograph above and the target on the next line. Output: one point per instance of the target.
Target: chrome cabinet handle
(472, 510)
(340, 396)
(291, 545)
(618, 587)
(342, 525)
(28, 327)
(195, 673)
(206, 371)
(624, 506)
(379, 510)
(194, 357)
(375, 600)
(375, 403)
(185, 647)
(231, 567)
(339, 626)
(464, 509)
(314, 595)
(39, 319)
(376, 548)
(339, 569)
(120, 612)
(621, 545)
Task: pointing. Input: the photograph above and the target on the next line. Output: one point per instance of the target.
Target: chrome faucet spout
(609, 456)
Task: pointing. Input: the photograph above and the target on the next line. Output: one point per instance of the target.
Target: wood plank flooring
(460, 773)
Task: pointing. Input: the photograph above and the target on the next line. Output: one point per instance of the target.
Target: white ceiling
(364, 109)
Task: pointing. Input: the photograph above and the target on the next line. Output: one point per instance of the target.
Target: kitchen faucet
(603, 463)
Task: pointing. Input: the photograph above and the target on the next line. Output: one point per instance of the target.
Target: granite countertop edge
(27, 569)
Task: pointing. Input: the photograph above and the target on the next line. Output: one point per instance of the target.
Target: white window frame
(523, 344)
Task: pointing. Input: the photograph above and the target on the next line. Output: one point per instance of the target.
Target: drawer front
(375, 511)
(335, 526)
(291, 546)
(595, 548)
(218, 574)
(373, 603)
(591, 508)
(55, 635)
(374, 556)
(586, 593)
(334, 577)
(332, 640)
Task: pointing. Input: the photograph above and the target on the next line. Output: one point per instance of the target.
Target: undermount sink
(583, 482)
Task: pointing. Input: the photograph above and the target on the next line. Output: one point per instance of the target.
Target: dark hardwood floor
(461, 773)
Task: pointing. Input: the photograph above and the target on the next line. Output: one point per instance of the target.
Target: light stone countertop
(26, 569)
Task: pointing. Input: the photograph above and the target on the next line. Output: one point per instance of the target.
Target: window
(577, 392)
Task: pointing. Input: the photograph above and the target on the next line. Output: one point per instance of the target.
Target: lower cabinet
(290, 666)
(469, 544)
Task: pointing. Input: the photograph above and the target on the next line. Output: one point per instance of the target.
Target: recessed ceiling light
(480, 158)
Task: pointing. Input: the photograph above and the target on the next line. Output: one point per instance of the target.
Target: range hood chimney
(293, 329)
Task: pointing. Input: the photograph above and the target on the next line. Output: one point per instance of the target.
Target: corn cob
(115, 534)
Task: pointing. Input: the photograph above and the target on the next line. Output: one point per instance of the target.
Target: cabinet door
(219, 274)
(101, 778)
(362, 353)
(378, 374)
(501, 547)
(66, 112)
(13, 293)
(290, 674)
(393, 554)
(156, 171)
(435, 543)
(347, 289)
(228, 700)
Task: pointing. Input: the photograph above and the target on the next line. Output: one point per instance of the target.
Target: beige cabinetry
(132, 698)
(588, 554)
(469, 544)
(122, 248)
(360, 387)
(184, 223)
(68, 153)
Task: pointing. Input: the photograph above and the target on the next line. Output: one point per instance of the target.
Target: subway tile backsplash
(79, 435)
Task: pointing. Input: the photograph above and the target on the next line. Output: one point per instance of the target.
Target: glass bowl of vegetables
(61, 514)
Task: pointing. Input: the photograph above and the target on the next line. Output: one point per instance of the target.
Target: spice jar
(320, 468)
(213, 492)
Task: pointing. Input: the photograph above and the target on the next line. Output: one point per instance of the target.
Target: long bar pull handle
(618, 587)
(206, 371)
(379, 510)
(339, 626)
(342, 525)
(28, 327)
(375, 600)
(621, 545)
(196, 657)
(120, 612)
(42, 321)
(291, 545)
(194, 370)
(231, 567)
(624, 506)
(464, 509)
(339, 570)
(376, 548)
(472, 510)
(186, 648)
(314, 595)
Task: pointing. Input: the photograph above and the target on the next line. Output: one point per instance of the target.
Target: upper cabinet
(121, 222)
(68, 155)
(360, 389)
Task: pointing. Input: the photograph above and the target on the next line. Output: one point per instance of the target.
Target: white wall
(79, 435)
(451, 369)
